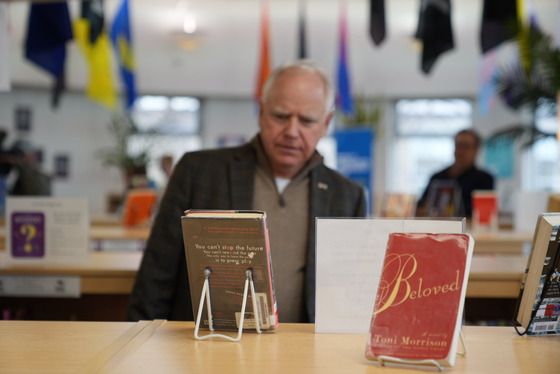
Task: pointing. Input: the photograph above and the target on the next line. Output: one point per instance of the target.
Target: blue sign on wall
(355, 156)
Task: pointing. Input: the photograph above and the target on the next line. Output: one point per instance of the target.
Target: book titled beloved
(229, 243)
(538, 307)
(419, 303)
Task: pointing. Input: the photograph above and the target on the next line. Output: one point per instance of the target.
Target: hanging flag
(377, 28)
(302, 42)
(121, 37)
(264, 60)
(499, 23)
(49, 29)
(434, 31)
(487, 94)
(92, 38)
(344, 100)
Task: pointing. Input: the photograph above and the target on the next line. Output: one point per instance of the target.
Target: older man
(279, 172)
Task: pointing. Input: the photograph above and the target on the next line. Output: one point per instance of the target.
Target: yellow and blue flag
(121, 37)
(92, 37)
(49, 29)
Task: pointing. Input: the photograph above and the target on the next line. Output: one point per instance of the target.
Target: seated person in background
(30, 180)
(463, 174)
(278, 171)
(166, 165)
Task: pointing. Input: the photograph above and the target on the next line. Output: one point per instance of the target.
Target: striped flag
(344, 99)
(486, 94)
(92, 38)
(121, 38)
(264, 59)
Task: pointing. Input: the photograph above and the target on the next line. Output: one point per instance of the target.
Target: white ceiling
(225, 62)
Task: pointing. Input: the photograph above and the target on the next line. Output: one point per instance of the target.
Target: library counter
(102, 273)
(170, 347)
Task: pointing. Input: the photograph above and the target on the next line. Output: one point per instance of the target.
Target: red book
(418, 308)
(485, 210)
(139, 207)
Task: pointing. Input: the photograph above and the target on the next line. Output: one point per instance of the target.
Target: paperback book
(538, 307)
(228, 243)
(419, 304)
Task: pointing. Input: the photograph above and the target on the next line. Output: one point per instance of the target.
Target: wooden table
(105, 285)
(496, 275)
(503, 241)
(119, 233)
(106, 282)
(169, 347)
(104, 272)
(101, 234)
(114, 273)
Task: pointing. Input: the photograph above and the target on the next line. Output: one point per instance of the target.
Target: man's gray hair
(305, 65)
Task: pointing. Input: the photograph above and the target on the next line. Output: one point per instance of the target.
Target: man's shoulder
(442, 174)
(484, 173)
(220, 154)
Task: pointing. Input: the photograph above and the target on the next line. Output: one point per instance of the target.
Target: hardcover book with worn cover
(538, 308)
(229, 243)
(419, 304)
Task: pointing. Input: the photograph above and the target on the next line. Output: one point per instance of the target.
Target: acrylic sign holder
(384, 359)
(205, 296)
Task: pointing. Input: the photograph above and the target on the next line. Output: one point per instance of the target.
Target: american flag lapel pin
(322, 186)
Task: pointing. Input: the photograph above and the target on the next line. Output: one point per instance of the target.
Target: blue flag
(49, 29)
(122, 42)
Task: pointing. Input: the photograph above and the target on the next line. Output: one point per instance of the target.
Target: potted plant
(366, 114)
(131, 164)
(530, 82)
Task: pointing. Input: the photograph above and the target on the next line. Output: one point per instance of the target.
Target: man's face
(465, 150)
(292, 120)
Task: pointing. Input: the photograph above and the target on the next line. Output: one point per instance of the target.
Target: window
(423, 140)
(540, 171)
(169, 126)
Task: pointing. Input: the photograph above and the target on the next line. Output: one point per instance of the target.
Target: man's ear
(328, 120)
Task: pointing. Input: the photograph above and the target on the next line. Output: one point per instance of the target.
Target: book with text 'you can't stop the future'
(418, 308)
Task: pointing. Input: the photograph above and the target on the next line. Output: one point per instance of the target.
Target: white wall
(222, 72)
(78, 129)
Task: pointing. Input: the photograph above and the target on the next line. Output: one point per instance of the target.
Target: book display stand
(206, 296)
(546, 285)
(383, 359)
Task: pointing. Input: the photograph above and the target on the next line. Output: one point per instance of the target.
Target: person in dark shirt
(463, 175)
